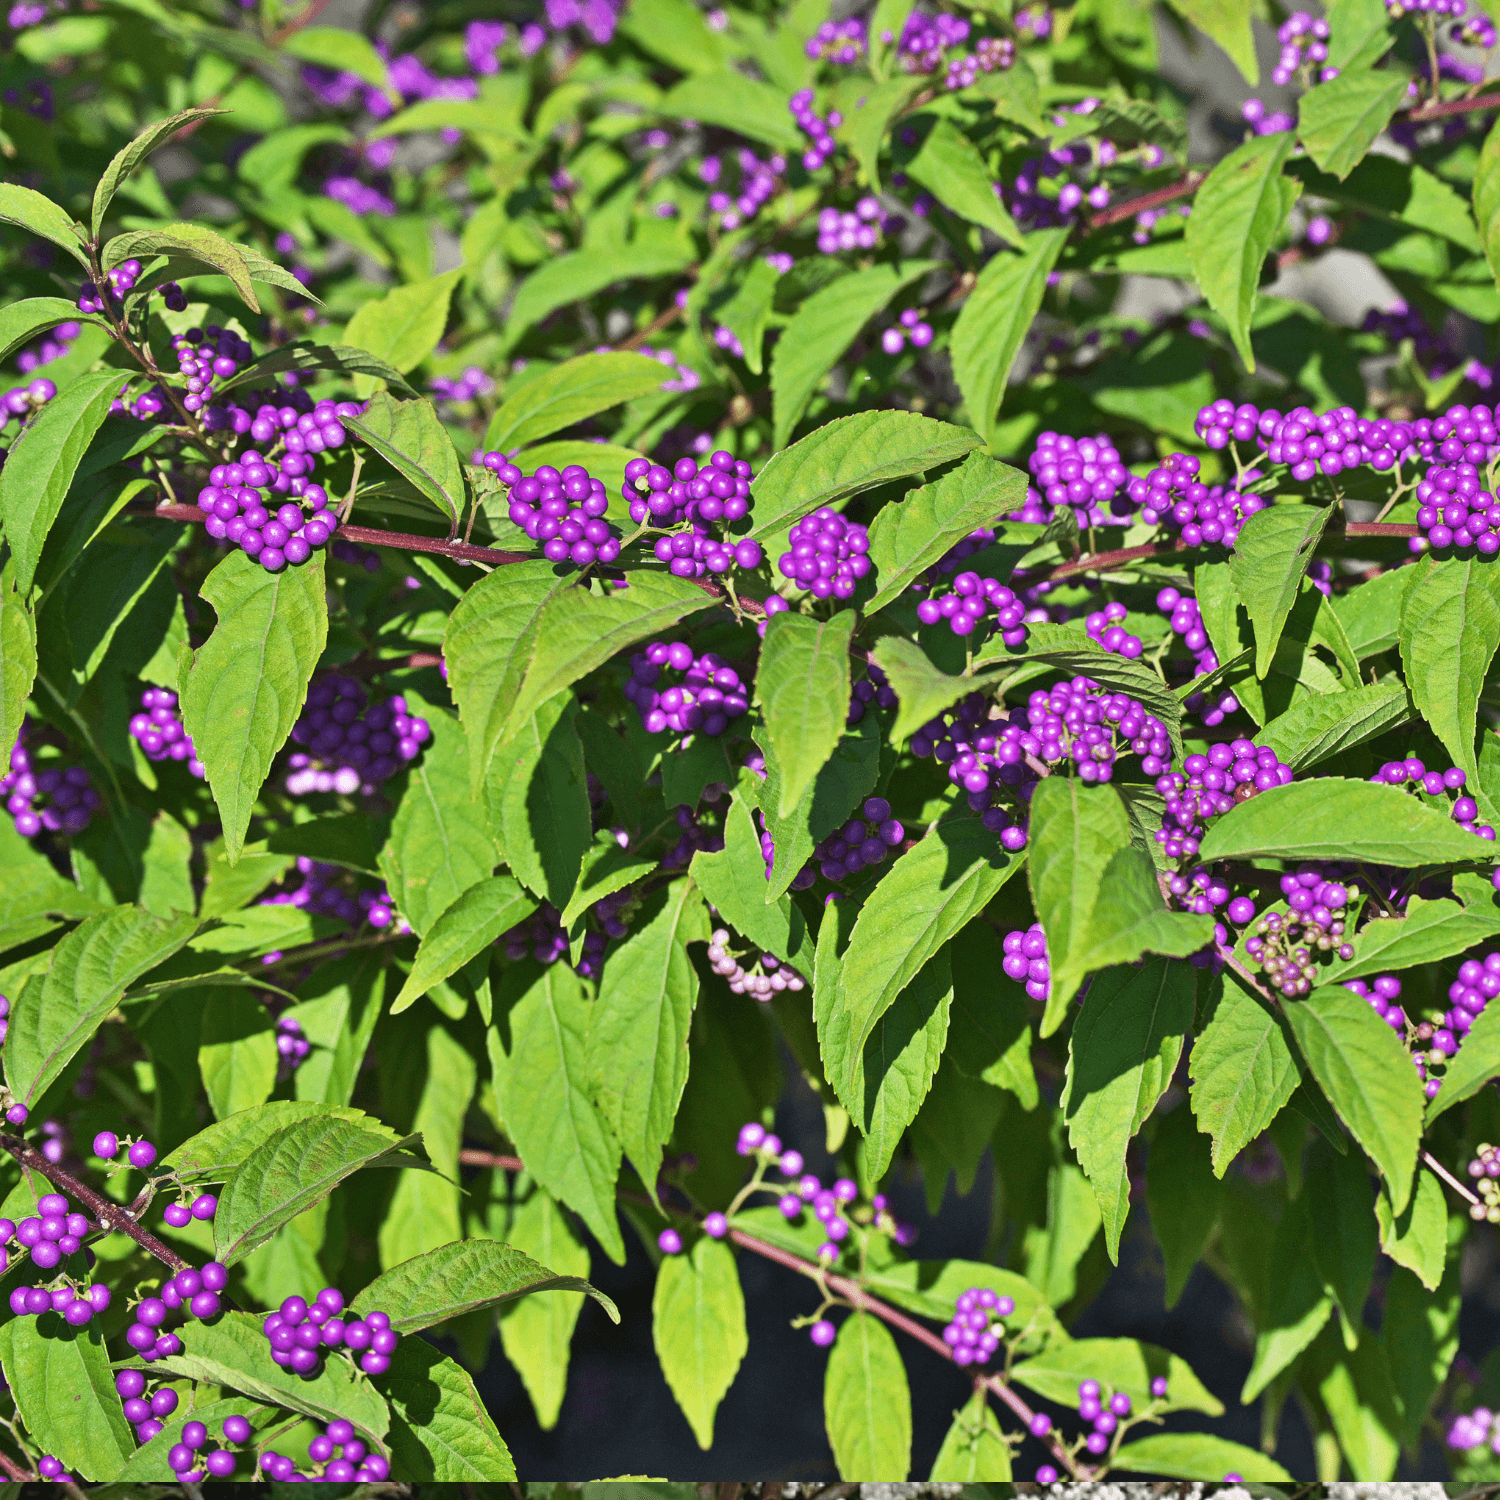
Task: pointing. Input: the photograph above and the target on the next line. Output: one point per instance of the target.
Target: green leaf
(1237, 214)
(193, 242)
(340, 51)
(975, 1448)
(1487, 200)
(440, 1430)
(989, 1035)
(866, 1402)
(738, 103)
(570, 393)
(1095, 894)
(1450, 629)
(131, 156)
(232, 1352)
(580, 275)
(409, 437)
(304, 355)
(1418, 1238)
(948, 164)
(1268, 564)
(579, 631)
(1291, 1305)
(1419, 1333)
(1339, 120)
(237, 1054)
(248, 682)
(1341, 1204)
(539, 801)
(403, 327)
(37, 214)
(1478, 1061)
(802, 688)
(91, 969)
(488, 645)
(17, 660)
(1400, 191)
(1243, 1071)
(1198, 1455)
(733, 883)
(923, 690)
(1430, 930)
(842, 458)
(562, 1137)
(908, 537)
(866, 125)
(1337, 818)
(1319, 727)
(607, 868)
(993, 323)
(64, 1390)
(698, 1327)
(1228, 23)
(1363, 1069)
(1356, 1390)
(1182, 1194)
(817, 337)
(1126, 1044)
(286, 1174)
(217, 1153)
(932, 891)
(1119, 1364)
(43, 459)
(1052, 1251)
(636, 1060)
(460, 1278)
(536, 1331)
(747, 314)
(22, 321)
(439, 842)
(467, 926)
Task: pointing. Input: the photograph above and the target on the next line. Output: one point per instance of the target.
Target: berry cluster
(236, 511)
(159, 732)
(1484, 1169)
(1092, 726)
(691, 554)
(971, 1335)
(1211, 784)
(860, 844)
(562, 509)
(22, 399)
(838, 41)
(758, 183)
(196, 1290)
(1026, 960)
(117, 282)
(180, 1215)
(218, 1463)
(543, 937)
(813, 125)
(1304, 44)
(717, 491)
(828, 555)
(48, 1467)
(1477, 984)
(300, 1332)
(765, 977)
(472, 383)
(1455, 512)
(55, 1230)
(292, 1047)
(694, 837)
(1034, 207)
(709, 697)
(970, 601)
(1085, 473)
(910, 326)
(336, 1456)
(1479, 1428)
(1416, 778)
(1173, 494)
(861, 230)
(326, 890)
(205, 355)
(1104, 626)
(872, 689)
(352, 745)
(57, 799)
(1287, 945)
(53, 346)
(985, 757)
(1186, 620)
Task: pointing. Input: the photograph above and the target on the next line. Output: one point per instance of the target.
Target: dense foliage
(561, 563)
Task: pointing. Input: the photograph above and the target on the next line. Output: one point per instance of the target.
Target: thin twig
(109, 1214)
(12, 1468)
(1434, 1165)
(471, 1158)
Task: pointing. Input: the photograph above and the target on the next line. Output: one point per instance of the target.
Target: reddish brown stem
(1455, 107)
(111, 1215)
(1118, 212)
(12, 1468)
(860, 1298)
(471, 1158)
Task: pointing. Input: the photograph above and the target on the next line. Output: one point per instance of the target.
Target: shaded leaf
(467, 926)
